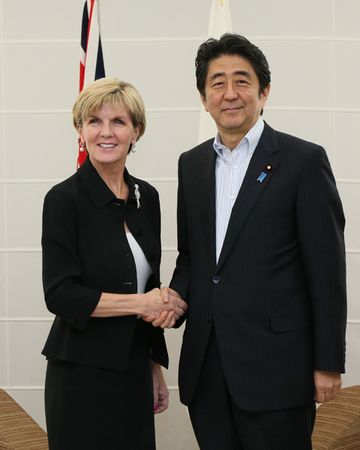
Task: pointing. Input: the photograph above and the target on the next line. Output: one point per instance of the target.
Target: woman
(101, 256)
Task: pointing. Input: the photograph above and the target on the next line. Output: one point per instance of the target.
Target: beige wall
(313, 48)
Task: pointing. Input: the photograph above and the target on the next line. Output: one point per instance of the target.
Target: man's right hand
(167, 318)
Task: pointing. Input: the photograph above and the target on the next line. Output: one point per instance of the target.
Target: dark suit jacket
(276, 297)
(85, 253)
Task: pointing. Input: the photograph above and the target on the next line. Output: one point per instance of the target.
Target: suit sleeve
(180, 278)
(321, 224)
(64, 294)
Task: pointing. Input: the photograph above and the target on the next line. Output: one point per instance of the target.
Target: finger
(180, 303)
(166, 323)
(179, 311)
(160, 409)
(174, 293)
(160, 319)
(149, 318)
(163, 404)
(165, 295)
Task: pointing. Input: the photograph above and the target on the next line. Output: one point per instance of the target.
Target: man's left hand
(327, 385)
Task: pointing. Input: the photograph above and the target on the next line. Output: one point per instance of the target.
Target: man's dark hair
(230, 44)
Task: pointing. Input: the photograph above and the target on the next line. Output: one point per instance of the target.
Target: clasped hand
(163, 307)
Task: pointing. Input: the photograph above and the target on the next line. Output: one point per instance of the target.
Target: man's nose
(230, 91)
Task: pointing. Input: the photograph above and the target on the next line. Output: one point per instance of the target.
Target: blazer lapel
(261, 169)
(141, 227)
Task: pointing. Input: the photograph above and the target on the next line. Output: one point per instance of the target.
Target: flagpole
(91, 55)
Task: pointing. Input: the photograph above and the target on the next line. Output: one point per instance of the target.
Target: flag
(219, 23)
(91, 58)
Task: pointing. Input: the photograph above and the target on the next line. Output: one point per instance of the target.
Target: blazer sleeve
(65, 296)
(159, 352)
(321, 222)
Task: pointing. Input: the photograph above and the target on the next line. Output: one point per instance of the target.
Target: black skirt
(98, 409)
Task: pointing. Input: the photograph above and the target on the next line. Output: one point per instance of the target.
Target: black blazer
(276, 297)
(85, 253)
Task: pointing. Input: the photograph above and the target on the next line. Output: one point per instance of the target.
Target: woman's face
(108, 134)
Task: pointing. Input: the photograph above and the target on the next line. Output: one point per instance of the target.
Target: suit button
(216, 279)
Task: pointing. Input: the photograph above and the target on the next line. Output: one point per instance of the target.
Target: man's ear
(265, 92)
(203, 101)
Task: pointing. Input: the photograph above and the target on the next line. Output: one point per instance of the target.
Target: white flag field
(219, 23)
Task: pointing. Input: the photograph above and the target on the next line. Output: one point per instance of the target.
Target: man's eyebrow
(244, 73)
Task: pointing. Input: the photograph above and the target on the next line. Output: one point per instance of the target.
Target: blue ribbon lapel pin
(263, 174)
(261, 177)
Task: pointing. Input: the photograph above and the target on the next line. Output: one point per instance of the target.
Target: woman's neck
(113, 177)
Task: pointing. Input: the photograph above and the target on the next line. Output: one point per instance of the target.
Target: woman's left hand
(161, 393)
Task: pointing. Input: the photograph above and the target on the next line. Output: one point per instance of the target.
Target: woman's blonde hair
(112, 91)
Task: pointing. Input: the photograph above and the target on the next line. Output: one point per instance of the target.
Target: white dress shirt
(230, 170)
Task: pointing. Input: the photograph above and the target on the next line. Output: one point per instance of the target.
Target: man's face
(232, 95)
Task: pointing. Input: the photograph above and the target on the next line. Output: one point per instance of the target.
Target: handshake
(162, 307)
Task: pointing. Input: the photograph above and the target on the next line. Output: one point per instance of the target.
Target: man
(261, 263)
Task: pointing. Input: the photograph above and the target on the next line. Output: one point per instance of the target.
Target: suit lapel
(206, 192)
(263, 161)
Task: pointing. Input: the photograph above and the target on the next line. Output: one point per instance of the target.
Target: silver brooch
(137, 196)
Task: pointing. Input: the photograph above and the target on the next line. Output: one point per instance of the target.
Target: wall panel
(346, 67)
(3, 354)
(49, 151)
(42, 20)
(40, 76)
(162, 71)
(353, 286)
(346, 23)
(347, 156)
(25, 285)
(282, 18)
(26, 364)
(23, 214)
(3, 292)
(168, 134)
(350, 195)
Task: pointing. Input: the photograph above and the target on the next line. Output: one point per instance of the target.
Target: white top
(230, 170)
(143, 269)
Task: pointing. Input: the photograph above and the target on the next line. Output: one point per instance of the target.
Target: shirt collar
(251, 138)
(97, 189)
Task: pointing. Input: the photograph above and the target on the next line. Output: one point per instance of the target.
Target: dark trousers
(219, 423)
